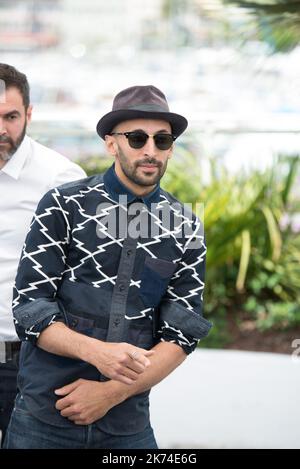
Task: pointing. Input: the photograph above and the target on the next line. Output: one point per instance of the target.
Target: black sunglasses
(138, 139)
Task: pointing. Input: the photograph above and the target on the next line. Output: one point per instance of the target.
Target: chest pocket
(155, 278)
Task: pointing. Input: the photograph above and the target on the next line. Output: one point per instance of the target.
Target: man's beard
(5, 155)
(130, 170)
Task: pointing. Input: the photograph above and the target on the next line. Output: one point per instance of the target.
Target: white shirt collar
(14, 166)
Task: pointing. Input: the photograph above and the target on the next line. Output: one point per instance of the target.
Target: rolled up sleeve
(41, 268)
(181, 318)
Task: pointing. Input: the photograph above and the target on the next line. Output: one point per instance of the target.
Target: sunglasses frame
(128, 134)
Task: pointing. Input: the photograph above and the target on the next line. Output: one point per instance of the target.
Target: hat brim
(110, 120)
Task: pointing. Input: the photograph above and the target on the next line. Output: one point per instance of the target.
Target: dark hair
(12, 77)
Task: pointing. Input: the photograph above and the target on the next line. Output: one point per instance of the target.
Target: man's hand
(119, 361)
(84, 401)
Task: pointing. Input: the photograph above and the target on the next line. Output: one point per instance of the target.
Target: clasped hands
(85, 401)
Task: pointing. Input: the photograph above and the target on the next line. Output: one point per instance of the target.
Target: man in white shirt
(27, 171)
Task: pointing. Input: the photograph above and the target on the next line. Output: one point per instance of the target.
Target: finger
(149, 353)
(144, 352)
(76, 419)
(130, 373)
(135, 366)
(62, 403)
(144, 357)
(138, 360)
(123, 379)
(68, 412)
(67, 389)
(143, 360)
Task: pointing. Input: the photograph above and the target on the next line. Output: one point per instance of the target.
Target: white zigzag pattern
(80, 226)
(194, 275)
(142, 314)
(181, 339)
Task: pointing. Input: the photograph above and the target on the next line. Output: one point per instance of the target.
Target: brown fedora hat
(138, 102)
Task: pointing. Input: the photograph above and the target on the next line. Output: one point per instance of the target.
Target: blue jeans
(27, 432)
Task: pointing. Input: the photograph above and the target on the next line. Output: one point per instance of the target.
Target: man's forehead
(10, 97)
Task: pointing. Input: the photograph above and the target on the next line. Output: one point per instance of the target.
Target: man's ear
(111, 145)
(29, 114)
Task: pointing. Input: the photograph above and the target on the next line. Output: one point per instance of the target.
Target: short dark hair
(12, 77)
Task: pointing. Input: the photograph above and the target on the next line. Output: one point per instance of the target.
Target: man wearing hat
(108, 295)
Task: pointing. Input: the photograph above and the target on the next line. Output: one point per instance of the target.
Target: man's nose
(2, 127)
(150, 148)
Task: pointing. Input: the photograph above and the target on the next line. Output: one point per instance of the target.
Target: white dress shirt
(33, 170)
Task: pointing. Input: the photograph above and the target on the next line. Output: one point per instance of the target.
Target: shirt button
(129, 252)
(122, 287)
(116, 322)
(74, 323)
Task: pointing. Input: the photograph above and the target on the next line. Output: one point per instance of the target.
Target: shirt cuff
(188, 322)
(32, 334)
(167, 333)
(32, 317)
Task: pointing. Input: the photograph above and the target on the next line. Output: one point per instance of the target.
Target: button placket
(117, 321)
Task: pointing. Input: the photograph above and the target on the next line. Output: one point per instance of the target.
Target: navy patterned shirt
(96, 251)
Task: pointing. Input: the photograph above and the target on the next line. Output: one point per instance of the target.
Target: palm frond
(278, 21)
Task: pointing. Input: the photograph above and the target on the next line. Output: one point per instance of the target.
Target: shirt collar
(14, 166)
(116, 188)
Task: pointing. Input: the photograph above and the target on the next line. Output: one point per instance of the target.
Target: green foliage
(277, 21)
(95, 164)
(219, 335)
(253, 264)
(277, 315)
(182, 177)
(248, 252)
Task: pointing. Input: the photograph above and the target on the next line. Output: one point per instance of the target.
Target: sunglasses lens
(137, 139)
(163, 141)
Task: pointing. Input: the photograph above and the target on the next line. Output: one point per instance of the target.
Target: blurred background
(233, 69)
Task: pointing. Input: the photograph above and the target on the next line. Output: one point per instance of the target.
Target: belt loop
(8, 351)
